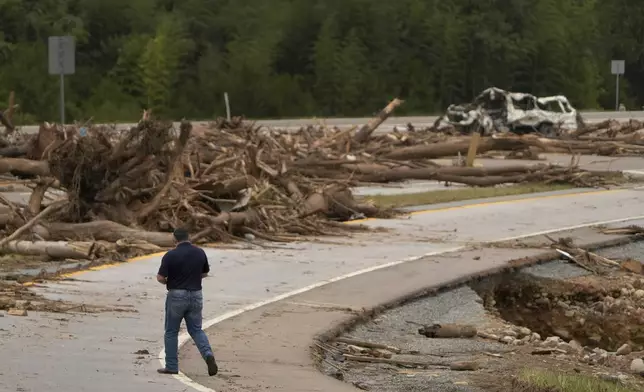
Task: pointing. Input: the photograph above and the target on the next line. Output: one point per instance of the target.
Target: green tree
(315, 57)
(160, 61)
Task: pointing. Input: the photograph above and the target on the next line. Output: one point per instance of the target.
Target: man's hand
(162, 279)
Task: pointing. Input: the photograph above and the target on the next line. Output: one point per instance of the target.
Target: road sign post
(62, 61)
(617, 68)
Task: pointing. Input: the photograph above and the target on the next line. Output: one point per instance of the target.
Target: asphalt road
(418, 121)
(96, 352)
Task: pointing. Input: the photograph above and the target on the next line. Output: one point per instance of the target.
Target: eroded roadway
(96, 352)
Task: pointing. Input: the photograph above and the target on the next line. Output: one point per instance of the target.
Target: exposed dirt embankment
(604, 312)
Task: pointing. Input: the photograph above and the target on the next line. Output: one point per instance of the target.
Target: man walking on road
(181, 271)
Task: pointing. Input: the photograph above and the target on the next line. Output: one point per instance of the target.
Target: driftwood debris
(448, 331)
(398, 362)
(583, 258)
(234, 179)
(366, 130)
(58, 250)
(362, 343)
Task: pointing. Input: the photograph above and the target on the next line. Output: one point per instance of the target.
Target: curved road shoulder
(265, 345)
(268, 348)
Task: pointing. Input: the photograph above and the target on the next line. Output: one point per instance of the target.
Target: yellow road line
(499, 202)
(475, 205)
(103, 266)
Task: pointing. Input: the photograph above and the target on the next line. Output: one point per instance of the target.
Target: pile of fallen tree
(606, 138)
(100, 192)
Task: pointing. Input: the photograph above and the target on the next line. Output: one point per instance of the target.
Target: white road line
(575, 227)
(184, 337)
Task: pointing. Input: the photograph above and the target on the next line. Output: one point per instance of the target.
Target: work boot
(167, 371)
(212, 365)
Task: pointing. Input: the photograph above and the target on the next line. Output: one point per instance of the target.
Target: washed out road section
(97, 352)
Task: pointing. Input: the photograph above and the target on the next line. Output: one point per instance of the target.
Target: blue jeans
(180, 305)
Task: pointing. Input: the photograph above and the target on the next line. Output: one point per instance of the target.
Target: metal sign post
(62, 61)
(617, 68)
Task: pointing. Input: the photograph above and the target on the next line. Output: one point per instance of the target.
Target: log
(52, 249)
(547, 351)
(582, 147)
(462, 366)
(24, 167)
(14, 151)
(366, 130)
(473, 149)
(335, 202)
(439, 173)
(231, 220)
(446, 149)
(448, 331)
(399, 362)
(5, 121)
(362, 343)
(43, 214)
(365, 168)
(105, 231)
(48, 135)
(484, 181)
(37, 196)
(590, 128)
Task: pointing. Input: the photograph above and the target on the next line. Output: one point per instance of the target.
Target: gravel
(634, 250)
(399, 327)
(556, 269)
(461, 305)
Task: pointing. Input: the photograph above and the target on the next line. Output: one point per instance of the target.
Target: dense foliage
(286, 58)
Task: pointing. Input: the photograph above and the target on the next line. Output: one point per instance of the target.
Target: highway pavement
(118, 350)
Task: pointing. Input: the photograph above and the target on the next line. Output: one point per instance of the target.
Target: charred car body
(496, 110)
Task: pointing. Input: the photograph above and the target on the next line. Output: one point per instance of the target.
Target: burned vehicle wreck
(496, 110)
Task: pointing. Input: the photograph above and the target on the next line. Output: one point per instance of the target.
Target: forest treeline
(291, 58)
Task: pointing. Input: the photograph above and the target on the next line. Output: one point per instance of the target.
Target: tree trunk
(365, 132)
(14, 151)
(446, 149)
(25, 167)
(37, 196)
(437, 174)
(336, 202)
(105, 231)
(590, 128)
(5, 121)
(43, 142)
(52, 249)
